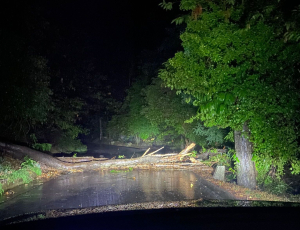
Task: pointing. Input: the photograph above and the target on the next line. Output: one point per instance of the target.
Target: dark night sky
(112, 33)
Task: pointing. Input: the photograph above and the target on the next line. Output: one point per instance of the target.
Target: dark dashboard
(241, 218)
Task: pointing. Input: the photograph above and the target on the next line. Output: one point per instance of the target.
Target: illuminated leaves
(239, 75)
(221, 108)
(180, 20)
(166, 5)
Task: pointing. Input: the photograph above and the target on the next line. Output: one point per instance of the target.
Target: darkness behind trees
(66, 64)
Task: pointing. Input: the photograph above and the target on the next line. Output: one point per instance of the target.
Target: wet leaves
(112, 208)
(242, 193)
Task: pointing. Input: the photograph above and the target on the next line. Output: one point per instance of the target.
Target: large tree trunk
(246, 172)
(20, 152)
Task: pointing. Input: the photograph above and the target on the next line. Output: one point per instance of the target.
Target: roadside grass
(10, 173)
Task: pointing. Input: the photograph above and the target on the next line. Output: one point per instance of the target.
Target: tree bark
(137, 140)
(182, 142)
(20, 152)
(246, 171)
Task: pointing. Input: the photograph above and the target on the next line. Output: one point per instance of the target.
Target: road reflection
(104, 188)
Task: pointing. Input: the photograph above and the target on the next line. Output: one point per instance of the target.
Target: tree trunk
(20, 152)
(187, 142)
(137, 140)
(182, 142)
(246, 172)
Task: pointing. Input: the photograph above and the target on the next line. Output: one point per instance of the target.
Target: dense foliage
(154, 113)
(130, 122)
(238, 67)
(50, 92)
(10, 174)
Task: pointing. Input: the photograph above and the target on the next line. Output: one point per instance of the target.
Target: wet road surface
(91, 189)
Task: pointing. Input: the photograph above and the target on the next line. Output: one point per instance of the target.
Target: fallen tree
(19, 152)
(151, 160)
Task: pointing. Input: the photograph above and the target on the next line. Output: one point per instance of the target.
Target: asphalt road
(90, 189)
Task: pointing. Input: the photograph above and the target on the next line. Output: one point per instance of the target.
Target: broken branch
(145, 152)
(187, 149)
(155, 151)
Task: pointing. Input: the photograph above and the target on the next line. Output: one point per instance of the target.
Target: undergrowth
(11, 175)
(275, 185)
(270, 184)
(229, 160)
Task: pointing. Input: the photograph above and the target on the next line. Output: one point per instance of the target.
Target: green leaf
(229, 98)
(221, 109)
(221, 96)
(178, 20)
(166, 5)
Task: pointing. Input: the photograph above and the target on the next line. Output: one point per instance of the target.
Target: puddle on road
(90, 189)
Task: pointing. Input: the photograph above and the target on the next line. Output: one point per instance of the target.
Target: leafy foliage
(157, 112)
(275, 186)
(169, 111)
(50, 89)
(46, 147)
(229, 160)
(40, 146)
(166, 5)
(68, 145)
(214, 135)
(193, 153)
(234, 68)
(31, 165)
(11, 175)
(166, 109)
(292, 26)
(132, 122)
(25, 94)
